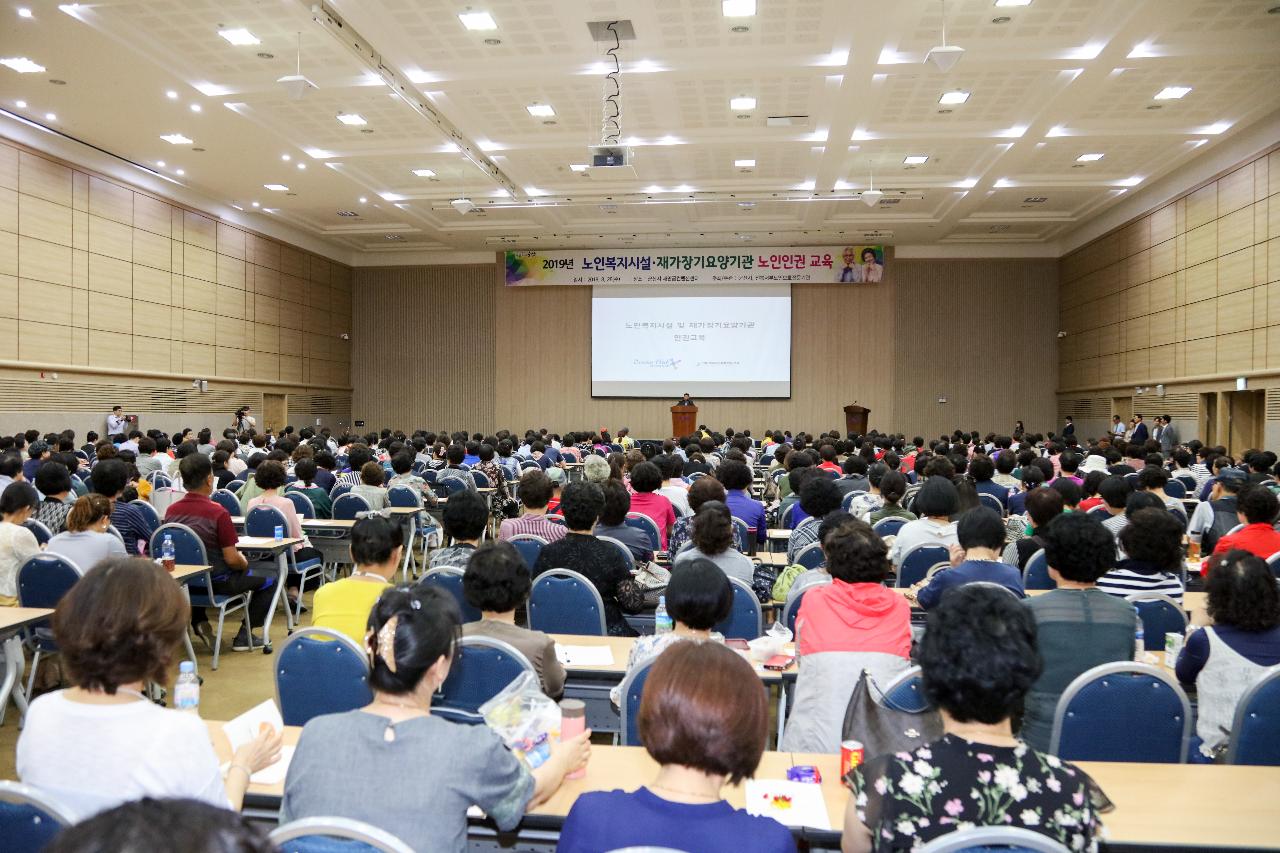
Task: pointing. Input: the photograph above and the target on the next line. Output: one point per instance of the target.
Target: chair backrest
(529, 546)
(791, 609)
(994, 839)
(621, 547)
(263, 520)
(1175, 489)
(188, 549)
(346, 506)
(451, 485)
(784, 518)
(404, 496)
(1274, 562)
(1160, 615)
(320, 671)
(742, 533)
(227, 500)
(481, 668)
(811, 556)
(39, 530)
(1035, 575)
(1122, 711)
(565, 602)
(302, 504)
(847, 500)
(159, 479)
(450, 578)
(45, 578)
(29, 819)
(643, 522)
(148, 509)
(906, 693)
(745, 620)
(629, 704)
(1099, 512)
(917, 562)
(481, 478)
(888, 526)
(991, 502)
(315, 834)
(1255, 734)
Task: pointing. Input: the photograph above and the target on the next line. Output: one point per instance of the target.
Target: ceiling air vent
(347, 213)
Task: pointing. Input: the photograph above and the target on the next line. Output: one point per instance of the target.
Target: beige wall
(1186, 296)
(518, 357)
(108, 285)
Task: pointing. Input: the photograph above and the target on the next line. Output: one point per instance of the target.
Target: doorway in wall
(1122, 406)
(274, 412)
(1246, 416)
(1209, 418)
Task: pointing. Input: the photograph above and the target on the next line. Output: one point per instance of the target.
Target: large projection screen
(709, 340)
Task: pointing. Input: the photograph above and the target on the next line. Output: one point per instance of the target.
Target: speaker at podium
(684, 420)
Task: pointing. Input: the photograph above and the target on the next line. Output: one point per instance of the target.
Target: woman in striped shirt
(1152, 544)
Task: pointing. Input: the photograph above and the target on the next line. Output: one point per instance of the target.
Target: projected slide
(709, 340)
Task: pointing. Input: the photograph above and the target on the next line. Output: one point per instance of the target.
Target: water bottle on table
(167, 558)
(1139, 639)
(662, 622)
(186, 691)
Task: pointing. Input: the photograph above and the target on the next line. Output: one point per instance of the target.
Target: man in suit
(686, 400)
(1167, 435)
(1140, 433)
(1069, 428)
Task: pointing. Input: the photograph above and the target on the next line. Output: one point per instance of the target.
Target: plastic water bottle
(662, 623)
(186, 692)
(279, 531)
(1139, 639)
(167, 553)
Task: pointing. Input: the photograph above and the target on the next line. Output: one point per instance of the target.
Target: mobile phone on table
(736, 643)
(779, 662)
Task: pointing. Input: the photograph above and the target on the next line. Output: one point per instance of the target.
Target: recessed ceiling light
(477, 21)
(738, 8)
(22, 105)
(1172, 93)
(541, 110)
(1089, 158)
(160, 163)
(578, 167)
(239, 36)
(424, 173)
(24, 12)
(916, 159)
(180, 171)
(742, 103)
(302, 167)
(279, 188)
(255, 204)
(195, 108)
(351, 119)
(1013, 2)
(176, 139)
(285, 157)
(744, 164)
(22, 65)
(171, 95)
(51, 116)
(953, 97)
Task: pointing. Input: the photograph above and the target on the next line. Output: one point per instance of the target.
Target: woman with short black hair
(978, 659)
(936, 502)
(17, 544)
(713, 539)
(1232, 653)
(398, 748)
(704, 719)
(1152, 546)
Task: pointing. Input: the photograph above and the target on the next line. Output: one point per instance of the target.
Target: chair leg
(217, 638)
(35, 667)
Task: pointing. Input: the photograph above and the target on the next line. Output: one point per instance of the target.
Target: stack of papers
(584, 655)
(244, 729)
(789, 803)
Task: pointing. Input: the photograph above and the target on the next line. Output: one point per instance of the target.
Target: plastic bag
(526, 720)
(771, 643)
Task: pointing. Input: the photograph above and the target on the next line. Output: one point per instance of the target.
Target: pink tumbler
(573, 722)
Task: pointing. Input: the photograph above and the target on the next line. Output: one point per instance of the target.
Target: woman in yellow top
(344, 606)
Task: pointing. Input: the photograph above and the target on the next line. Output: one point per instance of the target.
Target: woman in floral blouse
(978, 659)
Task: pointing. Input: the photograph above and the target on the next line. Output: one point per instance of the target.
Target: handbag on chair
(883, 729)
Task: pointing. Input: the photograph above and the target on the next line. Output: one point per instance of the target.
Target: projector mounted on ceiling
(611, 162)
(296, 85)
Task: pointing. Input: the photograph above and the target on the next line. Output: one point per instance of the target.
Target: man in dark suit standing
(686, 400)
(1069, 428)
(1140, 433)
(1167, 435)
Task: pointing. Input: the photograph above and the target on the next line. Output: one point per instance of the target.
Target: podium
(855, 419)
(684, 420)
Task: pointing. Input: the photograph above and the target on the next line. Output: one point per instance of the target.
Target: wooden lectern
(684, 420)
(855, 419)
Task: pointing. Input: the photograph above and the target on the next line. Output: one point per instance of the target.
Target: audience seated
(613, 517)
(370, 487)
(1223, 659)
(305, 470)
(736, 479)
(152, 824)
(978, 659)
(704, 719)
(102, 741)
(1257, 507)
(1078, 626)
(936, 502)
(646, 479)
(851, 625)
(976, 557)
(86, 541)
(1043, 506)
(344, 604)
(271, 477)
(53, 481)
(703, 489)
(464, 518)
(819, 496)
(600, 562)
(496, 583)
(17, 544)
(674, 488)
(110, 477)
(714, 540)
(1152, 545)
(535, 492)
(421, 771)
(893, 487)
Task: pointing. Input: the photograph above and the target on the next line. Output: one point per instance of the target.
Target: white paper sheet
(806, 806)
(273, 775)
(584, 655)
(244, 728)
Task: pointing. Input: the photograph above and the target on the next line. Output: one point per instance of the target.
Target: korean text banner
(836, 264)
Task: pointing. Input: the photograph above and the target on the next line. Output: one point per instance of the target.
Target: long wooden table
(1178, 805)
(12, 620)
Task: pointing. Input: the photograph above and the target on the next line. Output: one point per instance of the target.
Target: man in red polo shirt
(1256, 508)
